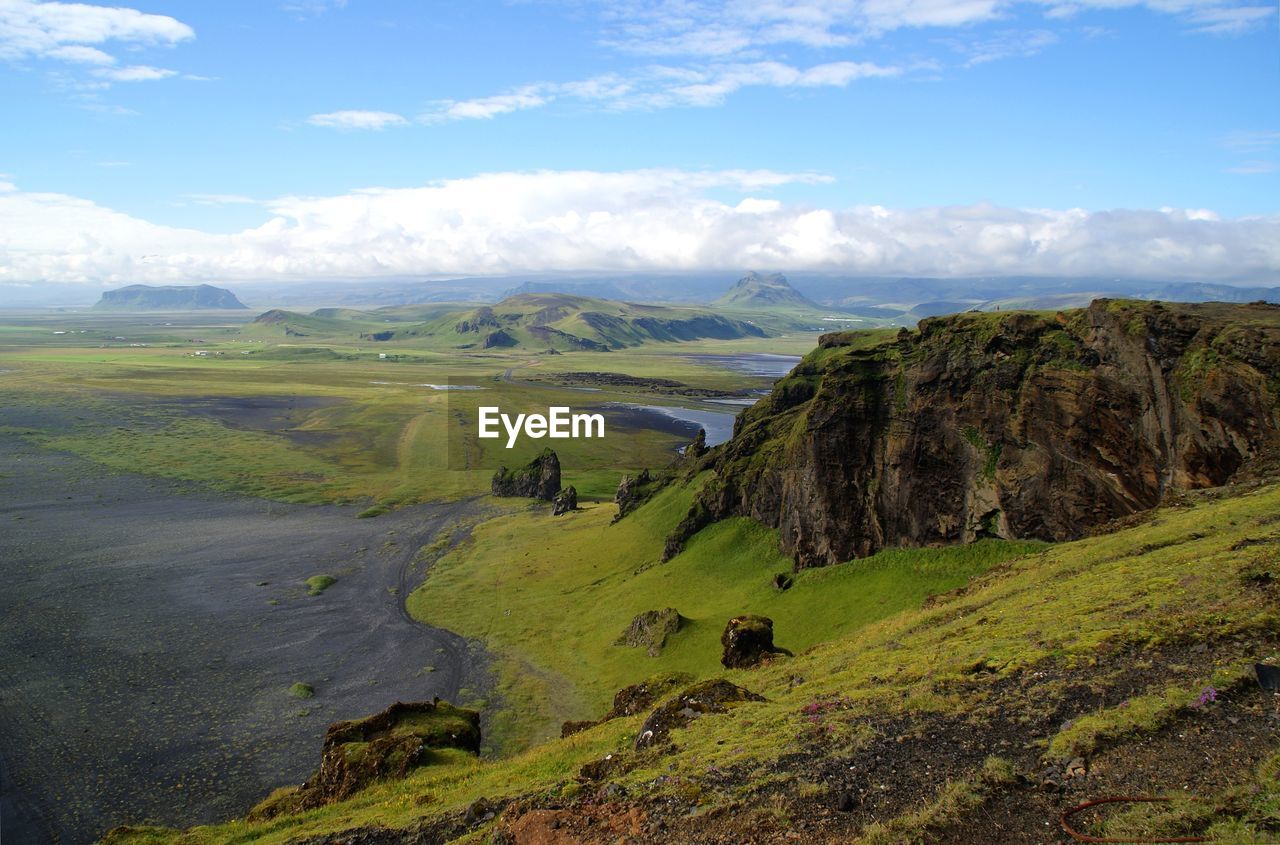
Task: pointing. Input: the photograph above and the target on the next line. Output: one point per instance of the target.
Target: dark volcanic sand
(145, 673)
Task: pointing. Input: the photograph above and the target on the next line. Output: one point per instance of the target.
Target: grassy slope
(1182, 576)
(552, 594)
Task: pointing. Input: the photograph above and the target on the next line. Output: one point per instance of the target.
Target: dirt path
(151, 633)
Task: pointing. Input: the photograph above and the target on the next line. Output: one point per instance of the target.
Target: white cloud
(484, 108)
(134, 73)
(729, 28)
(357, 119)
(304, 8)
(1251, 142)
(55, 30)
(81, 55)
(1253, 168)
(660, 86)
(633, 220)
(1008, 44)
(220, 199)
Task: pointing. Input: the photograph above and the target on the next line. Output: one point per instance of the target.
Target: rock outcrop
(1014, 425)
(564, 501)
(389, 744)
(634, 699)
(713, 696)
(649, 630)
(538, 479)
(747, 640)
(632, 492)
(698, 447)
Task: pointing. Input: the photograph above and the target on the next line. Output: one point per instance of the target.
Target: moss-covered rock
(714, 696)
(747, 640)
(566, 500)
(1010, 425)
(633, 699)
(538, 479)
(389, 744)
(649, 630)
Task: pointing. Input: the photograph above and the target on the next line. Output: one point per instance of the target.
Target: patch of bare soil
(910, 759)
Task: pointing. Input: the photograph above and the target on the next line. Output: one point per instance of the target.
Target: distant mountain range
(169, 298)
(903, 299)
(536, 321)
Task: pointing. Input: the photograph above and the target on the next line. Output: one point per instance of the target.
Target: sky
(189, 141)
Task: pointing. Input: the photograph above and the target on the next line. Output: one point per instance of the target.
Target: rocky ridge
(1014, 425)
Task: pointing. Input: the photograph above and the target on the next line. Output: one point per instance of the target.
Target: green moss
(317, 584)
(302, 690)
(1139, 715)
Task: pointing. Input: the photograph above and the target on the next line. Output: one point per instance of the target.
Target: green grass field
(365, 429)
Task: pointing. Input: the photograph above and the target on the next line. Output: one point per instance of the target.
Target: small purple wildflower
(1209, 695)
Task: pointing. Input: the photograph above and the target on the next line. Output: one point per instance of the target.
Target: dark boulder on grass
(634, 699)
(566, 500)
(632, 492)
(538, 479)
(649, 630)
(390, 744)
(747, 640)
(703, 698)
(637, 698)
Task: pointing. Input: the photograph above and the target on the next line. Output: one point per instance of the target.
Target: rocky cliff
(1015, 425)
(538, 479)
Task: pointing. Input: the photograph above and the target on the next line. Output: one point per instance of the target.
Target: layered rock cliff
(1016, 425)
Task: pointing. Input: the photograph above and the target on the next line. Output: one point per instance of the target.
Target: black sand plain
(150, 633)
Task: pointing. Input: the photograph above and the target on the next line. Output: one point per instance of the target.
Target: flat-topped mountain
(1015, 425)
(760, 291)
(168, 298)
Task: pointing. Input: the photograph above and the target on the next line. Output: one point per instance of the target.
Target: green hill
(754, 291)
(169, 298)
(537, 322)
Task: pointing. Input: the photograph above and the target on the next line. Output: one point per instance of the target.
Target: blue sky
(309, 139)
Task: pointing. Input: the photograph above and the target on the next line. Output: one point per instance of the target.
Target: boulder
(389, 744)
(747, 640)
(636, 698)
(698, 447)
(538, 479)
(631, 493)
(649, 630)
(633, 699)
(566, 500)
(713, 696)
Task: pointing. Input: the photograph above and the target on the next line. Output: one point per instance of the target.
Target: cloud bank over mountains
(656, 220)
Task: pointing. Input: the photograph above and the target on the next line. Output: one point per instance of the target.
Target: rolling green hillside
(1129, 651)
(538, 322)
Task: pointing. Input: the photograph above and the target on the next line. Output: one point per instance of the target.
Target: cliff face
(1012, 425)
